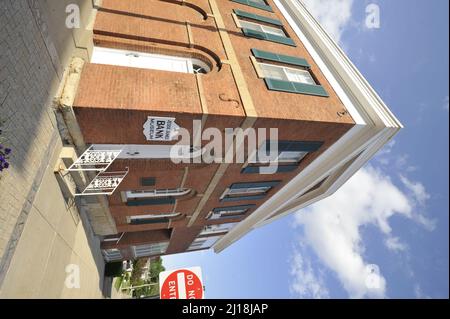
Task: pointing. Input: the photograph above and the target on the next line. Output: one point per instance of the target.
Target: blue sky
(398, 221)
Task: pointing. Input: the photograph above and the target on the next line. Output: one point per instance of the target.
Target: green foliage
(118, 283)
(156, 267)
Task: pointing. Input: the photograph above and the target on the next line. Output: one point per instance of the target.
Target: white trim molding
(375, 126)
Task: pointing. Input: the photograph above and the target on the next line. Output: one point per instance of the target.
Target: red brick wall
(113, 103)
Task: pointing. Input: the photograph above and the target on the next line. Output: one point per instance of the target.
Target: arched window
(135, 59)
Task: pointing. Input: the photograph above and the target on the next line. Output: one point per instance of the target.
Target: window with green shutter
(288, 157)
(148, 181)
(247, 191)
(263, 28)
(151, 201)
(229, 212)
(289, 74)
(260, 4)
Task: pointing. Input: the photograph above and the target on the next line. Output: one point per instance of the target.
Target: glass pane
(273, 72)
(210, 229)
(251, 26)
(271, 30)
(228, 214)
(252, 190)
(301, 76)
(291, 156)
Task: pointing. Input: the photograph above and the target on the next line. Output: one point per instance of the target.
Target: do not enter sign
(181, 284)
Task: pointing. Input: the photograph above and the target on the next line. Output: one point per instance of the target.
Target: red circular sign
(182, 284)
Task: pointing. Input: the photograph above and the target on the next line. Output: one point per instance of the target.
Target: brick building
(227, 64)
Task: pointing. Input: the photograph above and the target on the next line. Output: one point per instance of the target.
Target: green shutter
(233, 208)
(279, 39)
(254, 184)
(148, 181)
(254, 34)
(268, 37)
(149, 221)
(254, 4)
(241, 198)
(287, 59)
(294, 87)
(257, 17)
(296, 146)
(280, 169)
(152, 201)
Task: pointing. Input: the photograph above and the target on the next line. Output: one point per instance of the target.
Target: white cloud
(332, 228)
(417, 189)
(419, 196)
(305, 282)
(334, 15)
(446, 103)
(419, 293)
(394, 244)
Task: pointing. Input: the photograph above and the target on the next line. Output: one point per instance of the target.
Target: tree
(156, 267)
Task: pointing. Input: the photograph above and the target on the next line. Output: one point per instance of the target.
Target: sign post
(183, 283)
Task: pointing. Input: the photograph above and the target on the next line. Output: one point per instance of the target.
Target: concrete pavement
(55, 237)
(40, 233)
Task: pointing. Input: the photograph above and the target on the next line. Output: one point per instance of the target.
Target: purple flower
(6, 165)
(7, 151)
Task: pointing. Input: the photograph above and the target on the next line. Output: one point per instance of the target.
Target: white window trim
(262, 28)
(284, 68)
(134, 194)
(217, 229)
(220, 215)
(152, 216)
(161, 249)
(123, 59)
(236, 192)
(112, 254)
(206, 242)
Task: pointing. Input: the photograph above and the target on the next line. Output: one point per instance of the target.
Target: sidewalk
(39, 234)
(54, 236)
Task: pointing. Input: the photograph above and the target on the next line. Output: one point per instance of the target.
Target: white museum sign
(160, 128)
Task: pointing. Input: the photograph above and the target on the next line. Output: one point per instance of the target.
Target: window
(157, 193)
(247, 191)
(229, 212)
(203, 242)
(144, 60)
(288, 73)
(260, 4)
(290, 157)
(153, 197)
(217, 229)
(150, 249)
(112, 254)
(113, 238)
(148, 181)
(283, 73)
(151, 218)
(262, 28)
(290, 154)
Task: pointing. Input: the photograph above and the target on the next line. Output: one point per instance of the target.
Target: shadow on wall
(37, 49)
